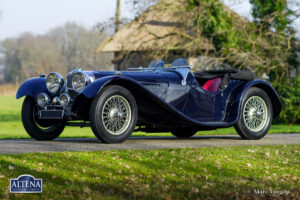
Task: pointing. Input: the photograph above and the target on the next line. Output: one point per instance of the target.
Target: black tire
(263, 122)
(36, 128)
(184, 132)
(100, 117)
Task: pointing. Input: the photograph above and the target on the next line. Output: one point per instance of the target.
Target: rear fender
(235, 107)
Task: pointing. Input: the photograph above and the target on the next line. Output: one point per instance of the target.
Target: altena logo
(26, 184)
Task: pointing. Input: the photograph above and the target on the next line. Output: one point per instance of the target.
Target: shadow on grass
(10, 117)
(226, 181)
(61, 187)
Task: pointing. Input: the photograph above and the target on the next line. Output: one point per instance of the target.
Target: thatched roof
(152, 30)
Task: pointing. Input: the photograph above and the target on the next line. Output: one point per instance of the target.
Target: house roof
(152, 30)
(155, 29)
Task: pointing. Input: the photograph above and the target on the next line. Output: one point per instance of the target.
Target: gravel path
(92, 144)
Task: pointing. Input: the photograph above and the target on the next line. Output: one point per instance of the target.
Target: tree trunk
(118, 16)
(117, 27)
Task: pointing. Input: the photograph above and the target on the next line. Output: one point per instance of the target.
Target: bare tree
(78, 47)
(113, 24)
(62, 49)
(11, 61)
(137, 7)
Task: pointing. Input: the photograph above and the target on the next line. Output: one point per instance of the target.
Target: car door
(200, 104)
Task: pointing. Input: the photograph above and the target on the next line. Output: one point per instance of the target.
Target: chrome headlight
(43, 100)
(64, 100)
(80, 80)
(54, 82)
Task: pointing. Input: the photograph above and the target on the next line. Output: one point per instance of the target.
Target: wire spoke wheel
(37, 128)
(116, 114)
(255, 113)
(45, 125)
(113, 114)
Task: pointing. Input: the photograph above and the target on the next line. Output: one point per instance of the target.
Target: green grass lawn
(205, 173)
(11, 126)
(10, 108)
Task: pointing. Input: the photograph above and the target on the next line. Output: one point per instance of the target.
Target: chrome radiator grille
(69, 81)
(71, 92)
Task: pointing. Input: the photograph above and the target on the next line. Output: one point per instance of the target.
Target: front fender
(151, 107)
(32, 87)
(267, 87)
(94, 88)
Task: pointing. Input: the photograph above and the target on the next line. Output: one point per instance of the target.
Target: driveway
(92, 144)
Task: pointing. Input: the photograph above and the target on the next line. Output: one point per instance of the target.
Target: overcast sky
(39, 16)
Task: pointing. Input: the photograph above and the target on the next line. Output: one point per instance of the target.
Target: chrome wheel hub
(116, 114)
(255, 113)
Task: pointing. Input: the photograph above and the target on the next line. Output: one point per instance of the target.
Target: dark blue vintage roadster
(153, 99)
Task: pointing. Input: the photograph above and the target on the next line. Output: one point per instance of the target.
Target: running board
(81, 125)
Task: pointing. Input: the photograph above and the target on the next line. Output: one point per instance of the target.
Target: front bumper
(51, 114)
(54, 110)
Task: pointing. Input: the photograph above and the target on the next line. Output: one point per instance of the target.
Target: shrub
(290, 96)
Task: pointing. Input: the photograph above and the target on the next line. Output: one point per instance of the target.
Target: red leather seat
(212, 85)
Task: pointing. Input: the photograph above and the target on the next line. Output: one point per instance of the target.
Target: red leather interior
(212, 85)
